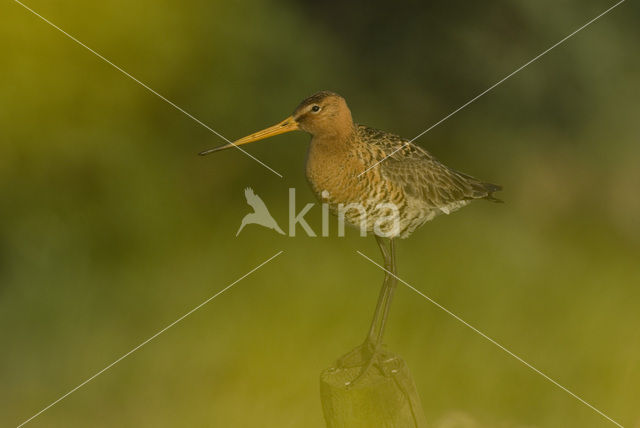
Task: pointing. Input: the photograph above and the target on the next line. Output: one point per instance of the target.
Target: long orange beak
(287, 125)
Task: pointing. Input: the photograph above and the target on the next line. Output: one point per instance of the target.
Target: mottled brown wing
(421, 175)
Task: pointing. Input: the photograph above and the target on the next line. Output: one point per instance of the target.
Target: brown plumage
(342, 163)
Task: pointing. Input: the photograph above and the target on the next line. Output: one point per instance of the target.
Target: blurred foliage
(111, 227)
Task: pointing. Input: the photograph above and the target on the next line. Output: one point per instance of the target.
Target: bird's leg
(367, 352)
(391, 283)
(371, 339)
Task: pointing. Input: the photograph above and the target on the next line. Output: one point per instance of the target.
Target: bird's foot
(367, 357)
(358, 356)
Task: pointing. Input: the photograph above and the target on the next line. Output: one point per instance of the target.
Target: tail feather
(490, 188)
(480, 189)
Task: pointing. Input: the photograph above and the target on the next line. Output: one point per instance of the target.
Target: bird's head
(324, 113)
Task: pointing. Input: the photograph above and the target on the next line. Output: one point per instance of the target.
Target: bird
(378, 172)
(260, 215)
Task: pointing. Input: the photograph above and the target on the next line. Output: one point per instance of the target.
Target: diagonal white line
(495, 84)
(151, 338)
(171, 103)
(494, 342)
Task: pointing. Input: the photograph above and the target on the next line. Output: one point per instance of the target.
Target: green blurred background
(111, 227)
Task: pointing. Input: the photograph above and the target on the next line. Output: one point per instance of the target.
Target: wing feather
(421, 175)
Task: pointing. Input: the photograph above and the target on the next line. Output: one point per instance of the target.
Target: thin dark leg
(369, 348)
(390, 282)
(383, 291)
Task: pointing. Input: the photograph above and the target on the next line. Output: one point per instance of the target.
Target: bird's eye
(315, 109)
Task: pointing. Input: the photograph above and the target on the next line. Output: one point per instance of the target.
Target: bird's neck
(339, 140)
(331, 161)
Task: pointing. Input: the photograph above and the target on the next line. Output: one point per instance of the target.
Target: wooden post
(384, 396)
